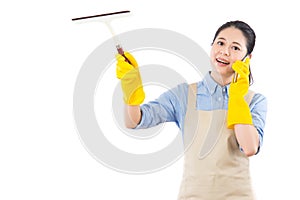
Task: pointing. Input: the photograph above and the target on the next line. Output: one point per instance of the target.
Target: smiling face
(229, 46)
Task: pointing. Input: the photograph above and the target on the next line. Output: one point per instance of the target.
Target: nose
(224, 51)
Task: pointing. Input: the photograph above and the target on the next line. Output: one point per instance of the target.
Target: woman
(231, 116)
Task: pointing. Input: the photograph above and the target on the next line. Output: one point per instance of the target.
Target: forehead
(233, 35)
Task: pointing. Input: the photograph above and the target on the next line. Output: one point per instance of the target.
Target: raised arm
(133, 94)
(239, 116)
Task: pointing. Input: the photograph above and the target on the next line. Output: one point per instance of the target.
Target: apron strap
(192, 96)
(249, 96)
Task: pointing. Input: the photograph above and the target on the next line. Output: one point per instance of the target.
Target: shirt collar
(210, 84)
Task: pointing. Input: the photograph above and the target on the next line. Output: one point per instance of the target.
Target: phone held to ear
(236, 75)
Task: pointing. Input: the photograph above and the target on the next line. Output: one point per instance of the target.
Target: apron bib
(214, 166)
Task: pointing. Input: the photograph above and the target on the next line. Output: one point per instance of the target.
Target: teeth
(222, 61)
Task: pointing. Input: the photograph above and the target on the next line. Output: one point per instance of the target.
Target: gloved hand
(238, 108)
(133, 93)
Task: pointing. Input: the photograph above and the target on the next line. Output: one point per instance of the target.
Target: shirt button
(219, 99)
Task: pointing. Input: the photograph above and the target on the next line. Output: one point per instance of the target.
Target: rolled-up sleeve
(169, 107)
(258, 108)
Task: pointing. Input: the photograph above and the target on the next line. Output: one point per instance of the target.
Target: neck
(221, 79)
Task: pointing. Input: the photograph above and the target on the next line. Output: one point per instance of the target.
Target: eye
(236, 48)
(220, 43)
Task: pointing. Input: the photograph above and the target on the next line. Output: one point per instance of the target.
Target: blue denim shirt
(171, 106)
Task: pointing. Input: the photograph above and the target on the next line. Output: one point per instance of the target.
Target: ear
(247, 56)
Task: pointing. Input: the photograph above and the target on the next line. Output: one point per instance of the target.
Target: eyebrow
(232, 42)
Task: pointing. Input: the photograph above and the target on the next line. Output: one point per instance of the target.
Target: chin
(224, 71)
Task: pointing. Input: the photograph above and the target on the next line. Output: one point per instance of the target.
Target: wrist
(238, 112)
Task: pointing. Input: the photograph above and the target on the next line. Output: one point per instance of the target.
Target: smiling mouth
(224, 62)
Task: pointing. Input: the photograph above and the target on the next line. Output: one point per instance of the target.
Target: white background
(42, 51)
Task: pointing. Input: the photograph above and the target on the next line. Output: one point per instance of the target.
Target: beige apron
(214, 166)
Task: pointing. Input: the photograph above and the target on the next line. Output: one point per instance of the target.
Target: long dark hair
(248, 33)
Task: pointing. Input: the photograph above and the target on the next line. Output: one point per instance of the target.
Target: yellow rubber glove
(238, 108)
(133, 93)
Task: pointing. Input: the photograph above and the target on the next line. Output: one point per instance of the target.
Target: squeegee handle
(121, 52)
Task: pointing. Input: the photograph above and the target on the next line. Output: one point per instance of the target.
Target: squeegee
(106, 18)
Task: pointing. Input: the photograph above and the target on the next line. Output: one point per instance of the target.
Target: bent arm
(247, 137)
(250, 136)
(168, 107)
